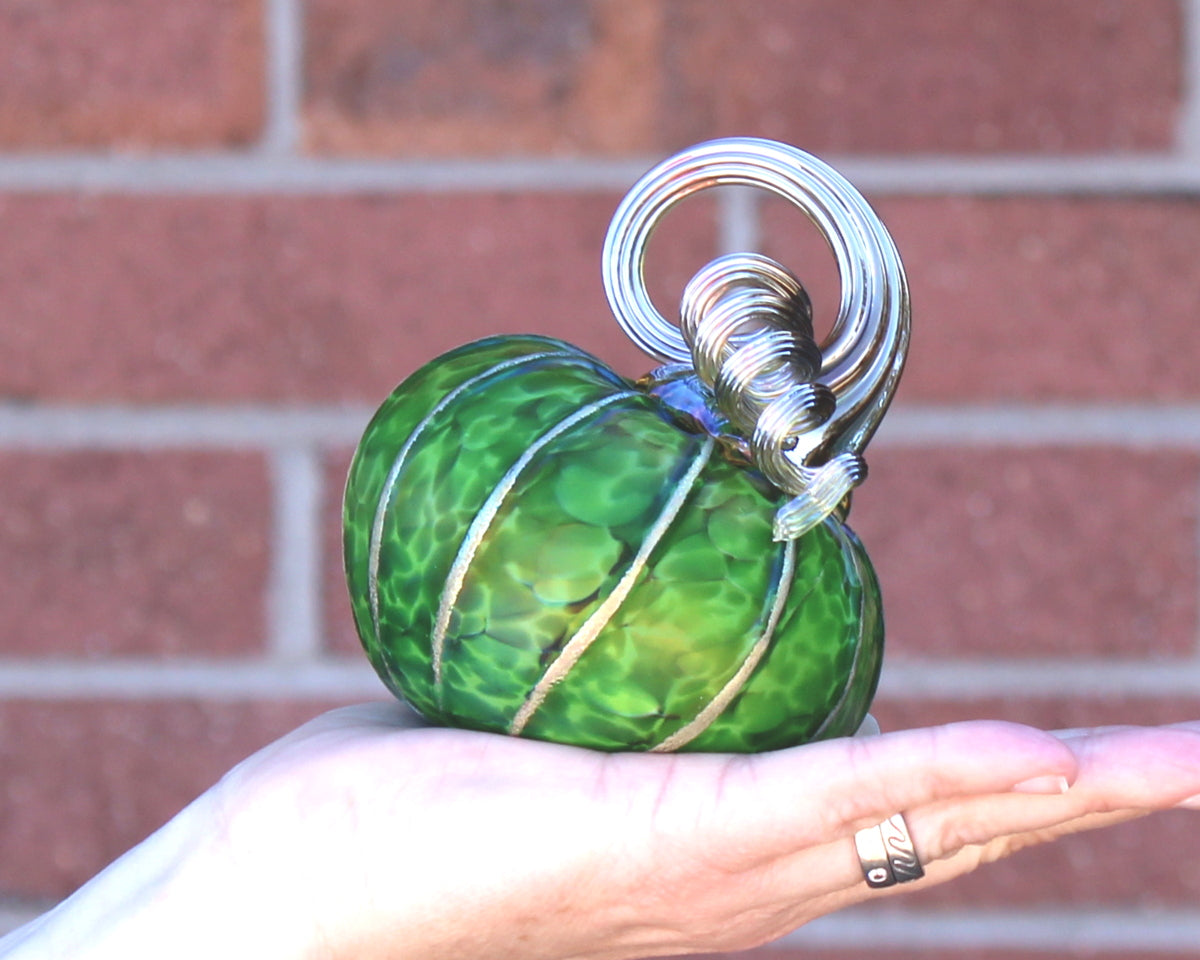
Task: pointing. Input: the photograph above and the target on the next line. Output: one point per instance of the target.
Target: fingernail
(1191, 803)
(1052, 785)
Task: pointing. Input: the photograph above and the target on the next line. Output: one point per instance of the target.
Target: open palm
(400, 840)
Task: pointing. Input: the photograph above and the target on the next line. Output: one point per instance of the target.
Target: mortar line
(1063, 930)
(17, 913)
(1060, 931)
(1196, 586)
(341, 678)
(172, 427)
(738, 228)
(1131, 426)
(969, 679)
(907, 679)
(264, 172)
(261, 427)
(1149, 174)
(294, 605)
(284, 46)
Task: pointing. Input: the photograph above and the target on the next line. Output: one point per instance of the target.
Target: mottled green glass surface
(567, 509)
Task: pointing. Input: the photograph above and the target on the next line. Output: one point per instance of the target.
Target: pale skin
(367, 835)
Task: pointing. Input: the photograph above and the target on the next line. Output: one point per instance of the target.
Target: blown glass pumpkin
(537, 546)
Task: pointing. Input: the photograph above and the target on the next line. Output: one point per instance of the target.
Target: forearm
(168, 896)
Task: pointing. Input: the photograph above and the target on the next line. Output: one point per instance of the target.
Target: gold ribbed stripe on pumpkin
(586, 634)
(389, 484)
(483, 520)
(716, 706)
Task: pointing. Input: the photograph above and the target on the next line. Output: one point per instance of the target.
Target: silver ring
(864, 354)
(887, 855)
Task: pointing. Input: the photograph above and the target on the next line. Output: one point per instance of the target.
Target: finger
(1077, 733)
(774, 803)
(968, 858)
(994, 827)
(1122, 773)
(830, 877)
(866, 781)
(1150, 768)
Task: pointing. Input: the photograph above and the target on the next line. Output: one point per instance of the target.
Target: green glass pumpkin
(535, 545)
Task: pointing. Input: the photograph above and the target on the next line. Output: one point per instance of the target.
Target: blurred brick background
(230, 226)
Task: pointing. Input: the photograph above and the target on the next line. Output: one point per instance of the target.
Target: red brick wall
(230, 226)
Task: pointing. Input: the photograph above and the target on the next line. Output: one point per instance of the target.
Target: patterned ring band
(887, 855)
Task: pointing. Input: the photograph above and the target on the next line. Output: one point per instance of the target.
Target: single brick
(148, 299)
(123, 554)
(1033, 552)
(85, 780)
(1144, 864)
(446, 77)
(131, 75)
(1026, 299)
(955, 76)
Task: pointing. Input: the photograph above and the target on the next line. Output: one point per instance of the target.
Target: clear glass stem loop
(862, 358)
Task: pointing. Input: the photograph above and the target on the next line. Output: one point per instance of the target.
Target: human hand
(364, 834)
